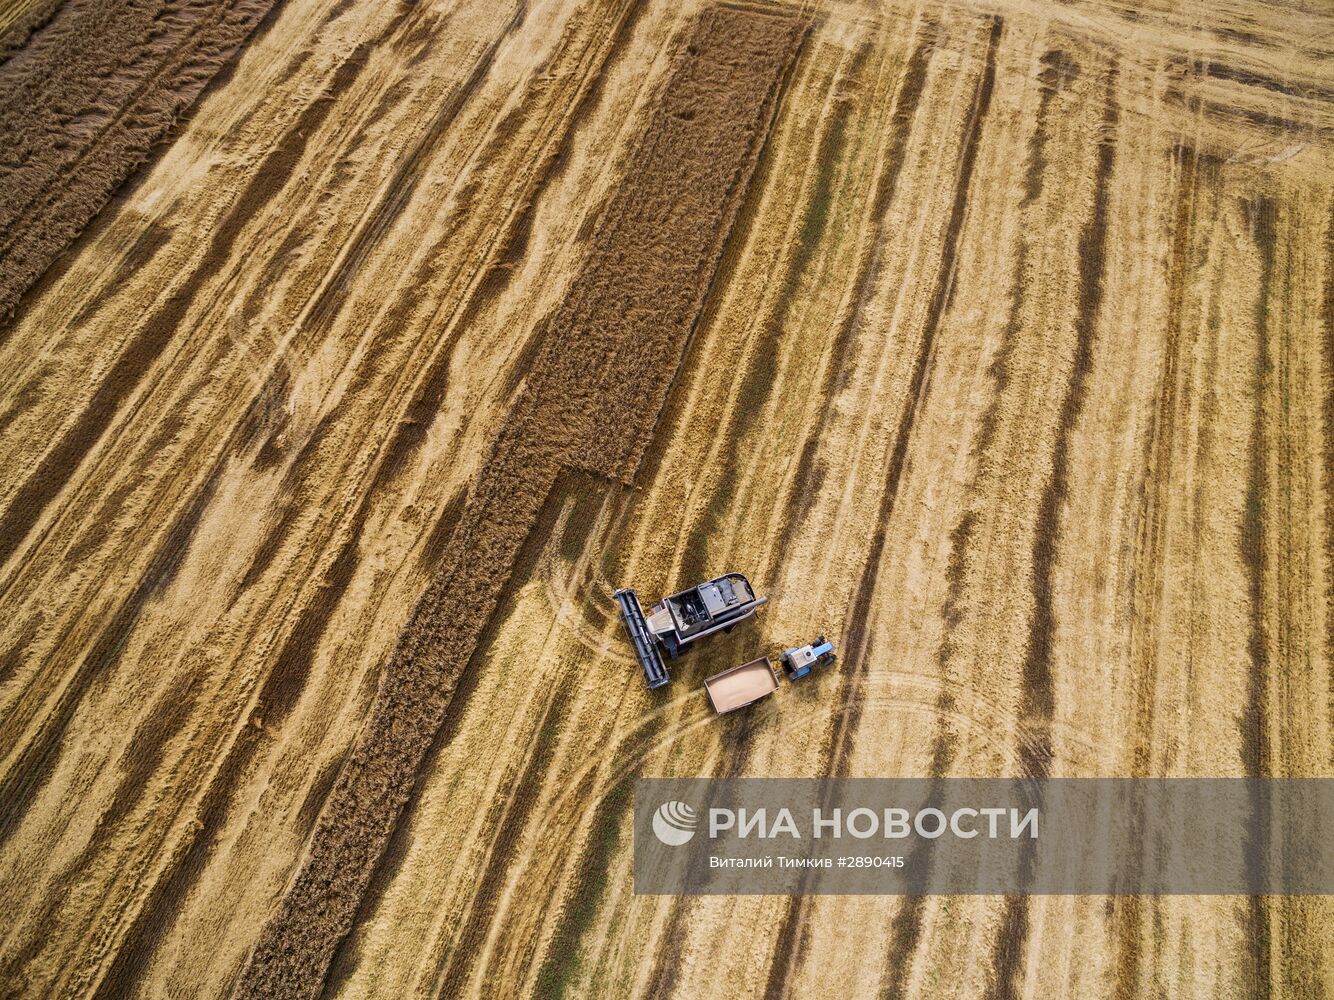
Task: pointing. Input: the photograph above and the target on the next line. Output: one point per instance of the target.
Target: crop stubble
(591, 401)
(86, 91)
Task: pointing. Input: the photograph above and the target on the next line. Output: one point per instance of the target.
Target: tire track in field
(758, 379)
(59, 464)
(790, 943)
(810, 472)
(1037, 696)
(616, 340)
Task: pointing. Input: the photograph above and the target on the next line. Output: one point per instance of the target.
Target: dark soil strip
(1250, 78)
(83, 102)
(1037, 699)
(616, 341)
(1256, 751)
(1035, 754)
(790, 946)
(1058, 72)
(1328, 313)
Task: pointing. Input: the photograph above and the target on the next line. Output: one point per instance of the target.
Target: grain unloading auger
(676, 621)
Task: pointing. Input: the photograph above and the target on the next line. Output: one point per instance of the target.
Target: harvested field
(87, 89)
(589, 400)
(994, 340)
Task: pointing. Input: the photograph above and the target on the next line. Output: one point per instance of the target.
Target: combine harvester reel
(676, 621)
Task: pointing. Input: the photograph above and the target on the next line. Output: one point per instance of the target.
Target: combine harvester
(717, 606)
(676, 621)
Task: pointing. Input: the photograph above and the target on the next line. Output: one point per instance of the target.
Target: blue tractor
(800, 660)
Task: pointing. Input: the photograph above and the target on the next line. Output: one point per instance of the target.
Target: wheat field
(994, 340)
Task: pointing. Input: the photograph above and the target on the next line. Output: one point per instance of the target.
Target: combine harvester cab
(676, 621)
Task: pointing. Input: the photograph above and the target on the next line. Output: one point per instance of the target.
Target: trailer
(718, 605)
(737, 687)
